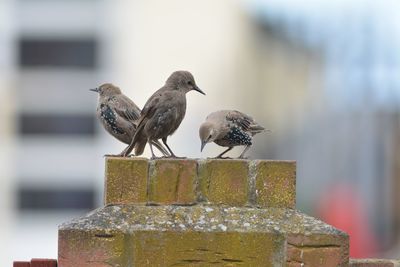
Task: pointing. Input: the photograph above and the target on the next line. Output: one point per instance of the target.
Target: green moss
(224, 181)
(126, 180)
(276, 184)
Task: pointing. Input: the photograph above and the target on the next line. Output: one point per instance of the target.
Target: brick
(90, 249)
(172, 181)
(43, 263)
(374, 263)
(126, 180)
(224, 181)
(275, 184)
(21, 264)
(314, 248)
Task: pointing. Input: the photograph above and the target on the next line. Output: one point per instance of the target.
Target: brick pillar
(173, 212)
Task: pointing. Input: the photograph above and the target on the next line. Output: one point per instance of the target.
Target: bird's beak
(198, 90)
(203, 144)
(94, 90)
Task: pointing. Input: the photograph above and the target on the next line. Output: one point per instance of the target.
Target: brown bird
(118, 114)
(229, 128)
(163, 112)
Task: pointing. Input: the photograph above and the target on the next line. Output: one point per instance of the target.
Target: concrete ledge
(238, 183)
(131, 235)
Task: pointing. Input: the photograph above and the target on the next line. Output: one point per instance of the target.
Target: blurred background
(324, 76)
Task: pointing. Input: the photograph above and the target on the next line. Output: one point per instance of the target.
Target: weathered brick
(90, 249)
(43, 263)
(294, 264)
(172, 181)
(224, 181)
(126, 180)
(275, 183)
(331, 250)
(374, 263)
(21, 264)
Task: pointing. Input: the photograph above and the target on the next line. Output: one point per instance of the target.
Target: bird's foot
(112, 155)
(176, 157)
(221, 158)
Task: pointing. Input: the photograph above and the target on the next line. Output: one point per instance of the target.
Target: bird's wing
(127, 109)
(150, 107)
(244, 121)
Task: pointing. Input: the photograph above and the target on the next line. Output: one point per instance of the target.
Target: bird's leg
(160, 147)
(244, 151)
(220, 155)
(169, 149)
(122, 154)
(151, 149)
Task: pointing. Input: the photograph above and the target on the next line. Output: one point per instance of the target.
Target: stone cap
(237, 183)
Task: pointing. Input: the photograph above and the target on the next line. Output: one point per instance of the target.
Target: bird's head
(207, 133)
(106, 90)
(184, 81)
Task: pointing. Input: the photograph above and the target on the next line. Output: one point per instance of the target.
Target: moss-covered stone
(275, 183)
(172, 181)
(191, 248)
(224, 181)
(126, 180)
(195, 233)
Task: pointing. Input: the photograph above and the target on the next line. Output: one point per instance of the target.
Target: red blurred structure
(343, 208)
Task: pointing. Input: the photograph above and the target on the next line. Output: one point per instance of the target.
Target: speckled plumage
(229, 128)
(118, 114)
(163, 112)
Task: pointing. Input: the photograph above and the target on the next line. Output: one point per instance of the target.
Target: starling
(119, 114)
(163, 112)
(229, 128)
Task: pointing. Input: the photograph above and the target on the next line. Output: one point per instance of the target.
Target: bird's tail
(139, 146)
(135, 140)
(160, 147)
(256, 128)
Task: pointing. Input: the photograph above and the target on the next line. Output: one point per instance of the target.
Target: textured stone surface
(224, 181)
(110, 234)
(126, 180)
(374, 263)
(258, 183)
(172, 181)
(275, 183)
(182, 212)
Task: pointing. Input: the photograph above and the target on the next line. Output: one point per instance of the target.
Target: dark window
(57, 124)
(56, 199)
(58, 53)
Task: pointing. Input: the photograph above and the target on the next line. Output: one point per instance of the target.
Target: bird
(163, 112)
(119, 114)
(229, 128)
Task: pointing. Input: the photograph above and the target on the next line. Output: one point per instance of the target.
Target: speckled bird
(118, 114)
(163, 112)
(229, 128)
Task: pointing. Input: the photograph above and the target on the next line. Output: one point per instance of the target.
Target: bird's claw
(222, 158)
(112, 155)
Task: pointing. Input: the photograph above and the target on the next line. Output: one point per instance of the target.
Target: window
(57, 124)
(58, 53)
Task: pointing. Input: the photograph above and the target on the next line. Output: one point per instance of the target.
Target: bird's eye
(189, 82)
